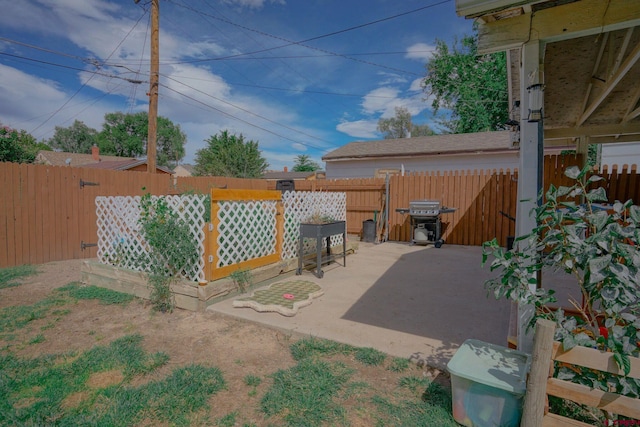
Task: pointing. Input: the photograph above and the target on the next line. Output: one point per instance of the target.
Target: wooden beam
(621, 52)
(534, 399)
(558, 23)
(246, 195)
(632, 111)
(595, 130)
(612, 83)
(593, 359)
(614, 403)
(632, 115)
(596, 65)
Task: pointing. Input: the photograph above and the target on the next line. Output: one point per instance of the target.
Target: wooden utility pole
(153, 86)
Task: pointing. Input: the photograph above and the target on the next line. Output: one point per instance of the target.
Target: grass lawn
(84, 355)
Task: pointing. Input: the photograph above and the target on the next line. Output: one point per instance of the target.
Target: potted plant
(596, 244)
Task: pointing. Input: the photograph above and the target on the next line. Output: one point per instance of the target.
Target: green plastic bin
(488, 383)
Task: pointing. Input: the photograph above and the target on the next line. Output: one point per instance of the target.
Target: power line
(113, 76)
(301, 42)
(253, 58)
(249, 112)
(55, 52)
(91, 77)
(319, 92)
(238, 118)
(266, 65)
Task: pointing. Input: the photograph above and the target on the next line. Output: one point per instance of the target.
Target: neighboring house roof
(123, 165)
(184, 170)
(480, 142)
(59, 158)
(289, 175)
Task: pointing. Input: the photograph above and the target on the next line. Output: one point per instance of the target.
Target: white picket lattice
(246, 229)
(120, 242)
(300, 206)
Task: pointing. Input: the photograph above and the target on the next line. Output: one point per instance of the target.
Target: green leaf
(597, 195)
(598, 219)
(568, 343)
(572, 172)
(623, 362)
(594, 178)
(634, 213)
(563, 190)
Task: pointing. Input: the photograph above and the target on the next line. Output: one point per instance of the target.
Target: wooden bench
(540, 383)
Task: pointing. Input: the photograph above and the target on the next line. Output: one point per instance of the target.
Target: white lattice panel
(247, 230)
(299, 206)
(120, 242)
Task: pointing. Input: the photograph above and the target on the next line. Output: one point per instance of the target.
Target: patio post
(531, 163)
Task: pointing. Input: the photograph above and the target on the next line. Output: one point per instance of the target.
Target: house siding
(620, 153)
(366, 168)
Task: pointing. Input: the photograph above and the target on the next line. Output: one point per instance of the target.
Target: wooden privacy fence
(365, 197)
(48, 213)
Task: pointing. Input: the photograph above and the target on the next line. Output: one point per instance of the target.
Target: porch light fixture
(536, 92)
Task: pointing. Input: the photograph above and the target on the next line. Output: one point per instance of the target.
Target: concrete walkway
(408, 301)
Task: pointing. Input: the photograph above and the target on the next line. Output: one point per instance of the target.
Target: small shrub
(599, 248)
(172, 248)
(242, 279)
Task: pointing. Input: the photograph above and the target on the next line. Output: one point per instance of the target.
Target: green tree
(126, 135)
(171, 141)
(230, 155)
(77, 138)
(401, 126)
(305, 164)
(473, 87)
(18, 146)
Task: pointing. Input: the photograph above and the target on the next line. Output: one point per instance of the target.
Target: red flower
(604, 332)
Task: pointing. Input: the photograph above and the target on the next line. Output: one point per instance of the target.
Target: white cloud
(380, 99)
(252, 4)
(359, 128)
(391, 78)
(416, 85)
(29, 102)
(420, 51)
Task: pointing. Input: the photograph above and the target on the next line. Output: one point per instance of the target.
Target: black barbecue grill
(425, 221)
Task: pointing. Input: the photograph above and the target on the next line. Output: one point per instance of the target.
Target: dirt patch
(105, 379)
(238, 348)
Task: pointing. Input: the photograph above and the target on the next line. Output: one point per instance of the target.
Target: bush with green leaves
(172, 248)
(599, 247)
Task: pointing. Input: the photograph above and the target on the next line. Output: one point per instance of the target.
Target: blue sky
(297, 76)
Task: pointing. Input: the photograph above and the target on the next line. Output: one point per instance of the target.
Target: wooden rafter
(632, 111)
(563, 22)
(621, 51)
(611, 84)
(587, 95)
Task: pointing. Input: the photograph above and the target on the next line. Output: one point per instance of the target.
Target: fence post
(536, 393)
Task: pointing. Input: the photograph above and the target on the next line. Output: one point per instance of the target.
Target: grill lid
(424, 208)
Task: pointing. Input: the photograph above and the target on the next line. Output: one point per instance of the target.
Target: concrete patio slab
(409, 301)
